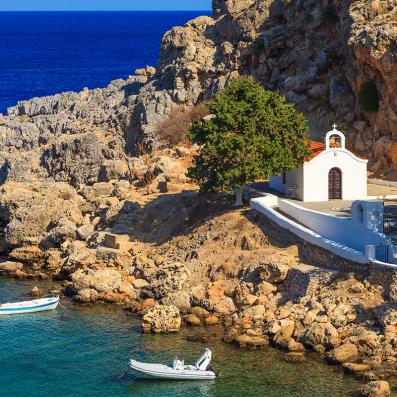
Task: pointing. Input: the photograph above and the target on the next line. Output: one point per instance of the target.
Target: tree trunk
(239, 197)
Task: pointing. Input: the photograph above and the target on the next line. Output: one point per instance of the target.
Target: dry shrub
(173, 130)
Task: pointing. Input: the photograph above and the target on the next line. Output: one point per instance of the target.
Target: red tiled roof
(316, 148)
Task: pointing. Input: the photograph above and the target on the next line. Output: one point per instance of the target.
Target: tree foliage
(251, 134)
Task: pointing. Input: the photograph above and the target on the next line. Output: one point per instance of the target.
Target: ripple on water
(80, 351)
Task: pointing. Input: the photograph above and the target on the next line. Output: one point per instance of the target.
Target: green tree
(251, 134)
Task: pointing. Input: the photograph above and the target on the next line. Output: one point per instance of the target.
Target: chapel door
(335, 184)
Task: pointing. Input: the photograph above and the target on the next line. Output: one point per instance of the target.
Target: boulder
(255, 312)
(64, 230)
(180, 299)
(342, 315)
(101, 280)
(52, 260)
(169, 278)
(140, 283)
(36, 292)
(34, 208)
(146, 304)
(211, 320)
(10, 268)
(200, 312)
(273, 269)
(343, 354)
(78, 257)
(295, 83)
(283, 336)
(387, 315)
(27, 254)
(161, 319)
(193, 320)
(321, 334)
(378, 388)
(84, 232)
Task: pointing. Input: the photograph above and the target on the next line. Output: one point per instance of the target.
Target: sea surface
(43, 53)
(83, 351)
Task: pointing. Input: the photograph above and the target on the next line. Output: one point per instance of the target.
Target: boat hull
(157, 371)
(34, 308)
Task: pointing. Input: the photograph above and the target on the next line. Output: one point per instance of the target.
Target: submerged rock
(378, 388)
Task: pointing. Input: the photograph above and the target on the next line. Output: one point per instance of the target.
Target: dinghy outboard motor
(204, 361)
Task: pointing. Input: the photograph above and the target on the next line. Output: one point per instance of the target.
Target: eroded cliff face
(317, 53)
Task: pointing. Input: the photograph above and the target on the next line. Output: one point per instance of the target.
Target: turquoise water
(82, 350)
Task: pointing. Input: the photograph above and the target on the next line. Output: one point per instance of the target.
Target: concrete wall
(353, 234)
(308, 235)
(352, 259)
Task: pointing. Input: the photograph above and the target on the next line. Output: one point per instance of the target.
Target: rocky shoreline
(181, 259)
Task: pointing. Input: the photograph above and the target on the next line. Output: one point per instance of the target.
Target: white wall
(311, 181)
(294, 182)
(354, 175)
(342, 230)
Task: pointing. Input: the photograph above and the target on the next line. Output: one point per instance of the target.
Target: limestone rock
(272, 269)
(36, 292)
(193, 320)
(169, 278)
(27, 254)
(140, 283)
(63, 230)
(387, 315)
(84, 232)
(256, 312)
(343, 315)
(101, 280)
(253, 342)
(343, 354)
(323, 334)
(29, 216)
(161, 319)
(10, 268)
(211, 320)
(355, 368)
(378, 388)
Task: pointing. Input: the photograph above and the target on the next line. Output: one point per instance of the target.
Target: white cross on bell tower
(334, 126)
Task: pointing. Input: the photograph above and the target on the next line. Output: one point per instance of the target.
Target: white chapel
(332, 172)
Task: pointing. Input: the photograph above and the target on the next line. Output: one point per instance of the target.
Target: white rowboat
(176, 371)
(37, 305)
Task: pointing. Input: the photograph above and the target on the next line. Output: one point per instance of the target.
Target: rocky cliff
(320, 54)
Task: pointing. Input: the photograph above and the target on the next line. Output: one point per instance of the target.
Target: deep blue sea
(81, 351)
(43, 53)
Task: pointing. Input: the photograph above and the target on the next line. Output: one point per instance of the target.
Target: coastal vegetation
(252, 133)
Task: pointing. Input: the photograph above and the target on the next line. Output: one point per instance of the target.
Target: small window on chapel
(284, 178)
(335, 142)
